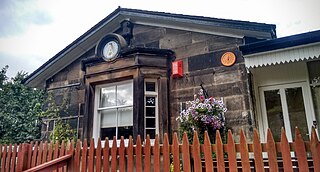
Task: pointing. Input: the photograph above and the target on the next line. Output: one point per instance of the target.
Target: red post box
(177, 69)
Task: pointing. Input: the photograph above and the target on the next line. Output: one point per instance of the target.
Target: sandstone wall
(201, 59)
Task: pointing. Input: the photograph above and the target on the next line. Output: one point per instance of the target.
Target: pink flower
(201, 98)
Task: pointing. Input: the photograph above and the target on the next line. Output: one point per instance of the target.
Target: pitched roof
(86, 41)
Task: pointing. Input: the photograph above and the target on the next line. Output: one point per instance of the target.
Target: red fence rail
(233, 157)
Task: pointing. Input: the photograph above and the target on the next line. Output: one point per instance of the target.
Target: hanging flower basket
(202, 114)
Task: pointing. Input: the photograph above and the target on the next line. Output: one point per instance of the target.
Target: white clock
(110, 50)
(110, 47)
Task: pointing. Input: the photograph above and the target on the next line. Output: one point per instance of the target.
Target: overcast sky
(32, 31)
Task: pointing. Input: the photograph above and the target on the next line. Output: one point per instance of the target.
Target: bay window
(114, 110)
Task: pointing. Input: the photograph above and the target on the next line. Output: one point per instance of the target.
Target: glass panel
(314, 72)
(51, 125)
(274, 112)
(150, 122)
(314, 77)
(44, 126)
(316, 101)
(125, 117)
(108, 118)
(108, 97)
(73, 122)
(125, 94)
(150, 111)
(107, 132)
(150, 101)
(150, 86)
(125, 131)
(297, 114)
(151, 132)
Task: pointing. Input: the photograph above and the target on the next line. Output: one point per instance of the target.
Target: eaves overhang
(111, 23)
(289, 49)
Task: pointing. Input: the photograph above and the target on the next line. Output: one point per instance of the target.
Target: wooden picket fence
(270, 156)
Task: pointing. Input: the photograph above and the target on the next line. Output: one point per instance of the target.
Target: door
(287, 106)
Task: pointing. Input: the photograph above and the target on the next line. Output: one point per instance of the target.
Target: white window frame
(97, 114)
(155, 94)
(307, 105)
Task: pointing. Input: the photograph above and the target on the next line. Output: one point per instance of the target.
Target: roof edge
(55, 57)
(281, 43)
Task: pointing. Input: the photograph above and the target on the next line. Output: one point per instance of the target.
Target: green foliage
(62, 130)
(19, 109)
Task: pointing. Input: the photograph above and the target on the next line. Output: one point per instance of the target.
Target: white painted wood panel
(293, 54)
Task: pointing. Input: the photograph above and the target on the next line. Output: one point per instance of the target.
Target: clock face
(110, 50)
(228, 59)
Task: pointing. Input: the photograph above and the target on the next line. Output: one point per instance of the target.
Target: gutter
(280, 43)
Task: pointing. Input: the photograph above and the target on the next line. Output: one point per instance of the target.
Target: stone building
(118, 75)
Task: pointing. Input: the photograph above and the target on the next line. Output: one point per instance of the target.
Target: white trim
(195, 29)
(306, 99)
(97, 117)
(155, 94)
(293, 54)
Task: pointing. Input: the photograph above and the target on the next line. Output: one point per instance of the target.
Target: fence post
(22, 162)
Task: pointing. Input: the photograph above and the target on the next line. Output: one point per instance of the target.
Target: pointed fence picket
(153, 156)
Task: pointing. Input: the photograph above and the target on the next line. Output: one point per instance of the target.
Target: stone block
(74, 97)
(137, 29)
(74, 73)
(224, 90)
(191, 50)
(219, 43)
(58, 99)
(182, 95)
(227, 77)
(148, 36)
(192, 81)
(234, 102)
(61, 76)
(173, 41)
(81, 95)
(201, 37)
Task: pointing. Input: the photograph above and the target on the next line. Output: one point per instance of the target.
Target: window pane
(107, 132)
(274, 112)
(125, 131)
(316, 102)
(150, 111)
(314, 72)
(51, 125)
(125, 94)
(125, 117)
(297, 114)
(108, 97)
(73, 122)
(150, 122)
(151, 132)
(150, 86)
(44, 126)
(150, 101)
(108, 118)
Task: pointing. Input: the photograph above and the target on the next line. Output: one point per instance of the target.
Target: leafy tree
(19, 109)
